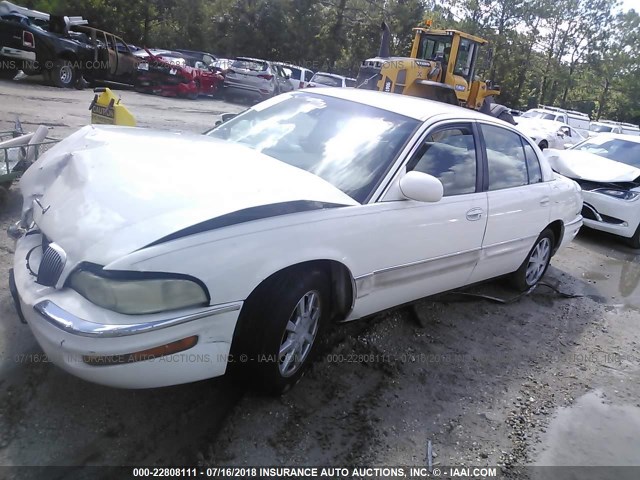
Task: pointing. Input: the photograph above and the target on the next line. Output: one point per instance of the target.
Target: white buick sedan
(155, 258)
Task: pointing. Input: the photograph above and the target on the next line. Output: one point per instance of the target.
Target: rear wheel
(279, 327)
(535, 265)
(63, 75)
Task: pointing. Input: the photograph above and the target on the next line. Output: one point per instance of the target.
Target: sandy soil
(533, 382)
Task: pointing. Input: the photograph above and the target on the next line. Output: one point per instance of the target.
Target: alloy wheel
(538, 261)
(300, 333)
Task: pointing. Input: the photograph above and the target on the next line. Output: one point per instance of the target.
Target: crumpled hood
(588, 166)
(107, 191)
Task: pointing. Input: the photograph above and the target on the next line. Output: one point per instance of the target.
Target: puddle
(614, 275)
(591, 433)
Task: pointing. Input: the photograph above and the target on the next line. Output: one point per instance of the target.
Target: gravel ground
(539, 381)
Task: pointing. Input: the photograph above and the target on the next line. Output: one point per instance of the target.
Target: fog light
(149, 354)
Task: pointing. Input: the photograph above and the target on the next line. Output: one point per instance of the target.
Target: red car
(170, 76)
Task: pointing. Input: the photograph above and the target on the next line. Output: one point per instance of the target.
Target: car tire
(194, 95)
(63, 75)
(536, 264)
(543, 144)
(4, 194)
(7, 73)
(278, 329)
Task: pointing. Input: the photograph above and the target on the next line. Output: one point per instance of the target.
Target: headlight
(138, 296)
(620, 194)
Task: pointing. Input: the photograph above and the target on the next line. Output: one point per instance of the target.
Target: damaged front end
(598, 211)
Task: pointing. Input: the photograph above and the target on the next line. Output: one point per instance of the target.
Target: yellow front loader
(442, 67)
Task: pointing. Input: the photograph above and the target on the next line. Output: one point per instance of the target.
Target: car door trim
(403, 273)
(504, 248)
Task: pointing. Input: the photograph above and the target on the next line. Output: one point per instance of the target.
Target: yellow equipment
(441, 67)
(107, 109)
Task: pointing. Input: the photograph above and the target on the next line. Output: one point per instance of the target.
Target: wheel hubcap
(65, 74)
(538, 261)
(299, 334)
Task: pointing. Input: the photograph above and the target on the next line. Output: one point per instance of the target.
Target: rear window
(250, 65)
(294, 73)
(327, 80)
(350, 82)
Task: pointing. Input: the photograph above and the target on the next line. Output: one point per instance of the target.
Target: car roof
(251, 59)
(414, 107)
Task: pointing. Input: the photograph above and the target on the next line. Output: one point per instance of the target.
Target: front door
(429, 247)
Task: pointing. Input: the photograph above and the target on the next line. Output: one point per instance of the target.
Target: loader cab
(456, 51)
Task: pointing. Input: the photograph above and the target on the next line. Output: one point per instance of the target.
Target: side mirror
(421, 187)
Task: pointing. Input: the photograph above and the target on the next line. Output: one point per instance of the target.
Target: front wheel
(279, 327)
(536, 264)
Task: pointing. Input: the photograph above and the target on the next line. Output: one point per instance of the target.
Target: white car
(309, 208)
(608, 169)
(323, 79)
(299, 77)
(549, 133)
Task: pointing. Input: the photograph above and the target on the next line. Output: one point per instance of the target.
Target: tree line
(577, 54)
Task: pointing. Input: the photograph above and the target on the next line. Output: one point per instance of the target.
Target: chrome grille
(51, 266)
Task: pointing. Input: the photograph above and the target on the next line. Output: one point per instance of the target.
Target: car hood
(588, 166)
(107, 191)
(537, 126)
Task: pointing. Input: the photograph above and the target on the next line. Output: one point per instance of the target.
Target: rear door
(518, 201)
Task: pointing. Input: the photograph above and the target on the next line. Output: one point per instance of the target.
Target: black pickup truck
(63, 49)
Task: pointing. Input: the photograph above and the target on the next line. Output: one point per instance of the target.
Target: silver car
(255, 77)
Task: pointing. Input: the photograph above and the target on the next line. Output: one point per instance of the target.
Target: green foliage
(582, 54)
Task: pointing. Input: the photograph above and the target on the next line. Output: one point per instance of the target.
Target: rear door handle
(474, 214)
(544, 202)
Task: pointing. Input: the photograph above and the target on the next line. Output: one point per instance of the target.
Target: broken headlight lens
(619, 194)
(138, 296)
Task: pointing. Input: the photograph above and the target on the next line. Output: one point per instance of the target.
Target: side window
(307, 75)
(505, 158)
(533, 164)
(449, 155)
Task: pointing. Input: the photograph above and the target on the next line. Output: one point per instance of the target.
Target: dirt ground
(544, 380)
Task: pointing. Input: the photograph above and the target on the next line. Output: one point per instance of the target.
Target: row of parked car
(552, 127)
(243, 76)
(68, 53)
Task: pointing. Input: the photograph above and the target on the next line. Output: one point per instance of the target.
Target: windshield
(348, 144)
(435, 47)
(622, 151)
(600, 128)
(327, 80)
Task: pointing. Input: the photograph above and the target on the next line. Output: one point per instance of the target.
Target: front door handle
(474, 214)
